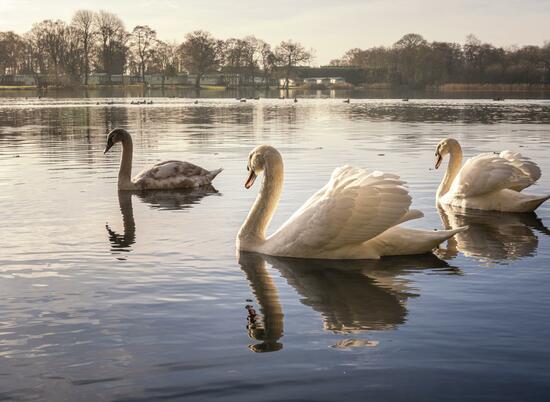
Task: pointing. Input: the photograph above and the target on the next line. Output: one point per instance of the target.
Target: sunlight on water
(119, 296)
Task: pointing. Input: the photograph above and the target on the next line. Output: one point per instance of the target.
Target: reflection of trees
(492, 236)
(351, 296)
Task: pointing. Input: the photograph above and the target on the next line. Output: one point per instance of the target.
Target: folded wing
(353, 207)
(171, 169)
(490, 172)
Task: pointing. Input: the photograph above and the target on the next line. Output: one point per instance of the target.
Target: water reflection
(158, 199)
(492, 236)
(122, 243)
(351, 296)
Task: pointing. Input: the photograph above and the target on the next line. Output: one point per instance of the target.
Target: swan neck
(455, 163)
(252, 232)
(125, 172)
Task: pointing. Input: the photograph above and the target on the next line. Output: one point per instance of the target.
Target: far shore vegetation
(96, 49)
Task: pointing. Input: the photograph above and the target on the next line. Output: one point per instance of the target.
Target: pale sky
(329, 27)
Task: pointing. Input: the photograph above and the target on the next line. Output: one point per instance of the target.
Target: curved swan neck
(455, 163)
(125, 172)
(253, 230)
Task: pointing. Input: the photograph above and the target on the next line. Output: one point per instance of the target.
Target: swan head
(444, 147)
(116, 135)
(258, 159)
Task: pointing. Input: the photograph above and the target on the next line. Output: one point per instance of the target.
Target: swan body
(162, 176)
(354, 216)
(488, 181)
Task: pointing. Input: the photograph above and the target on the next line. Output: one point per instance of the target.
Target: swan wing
(353, 207)
(169, 169)
(529, 168)
(170, 174)
(490, 172)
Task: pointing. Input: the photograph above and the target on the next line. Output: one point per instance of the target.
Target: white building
(156, 79)
(18, 79)
(337, 80)
(292, 82)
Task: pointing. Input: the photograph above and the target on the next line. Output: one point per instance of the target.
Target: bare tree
(83, 25)
(12, 48)
(49, 37)
(289, 55)
(235, 57)
(164, 59)
(410, 52)
(71, 57)
(142, 42)
(267, 61)
(201, 53)
(112, 37)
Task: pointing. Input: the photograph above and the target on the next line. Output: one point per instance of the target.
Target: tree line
(66, 53)
(415, 62)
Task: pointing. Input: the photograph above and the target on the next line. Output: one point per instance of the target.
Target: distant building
(261, 81)
(216, 79)
(156, 79)
(337, 80)
(18, 79)
(326, 81)
(292, 82)
(97, 79)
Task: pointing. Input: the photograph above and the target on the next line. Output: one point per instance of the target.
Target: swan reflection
(492, 236)
(157, 199)
(351, 296)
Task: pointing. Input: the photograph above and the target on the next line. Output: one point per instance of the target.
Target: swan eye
(248, 168)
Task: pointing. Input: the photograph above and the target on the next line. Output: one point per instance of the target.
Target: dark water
(109, 296)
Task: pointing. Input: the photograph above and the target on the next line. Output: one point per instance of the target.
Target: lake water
(120, 297)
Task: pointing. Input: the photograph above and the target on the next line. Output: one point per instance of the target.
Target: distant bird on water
(346, 101)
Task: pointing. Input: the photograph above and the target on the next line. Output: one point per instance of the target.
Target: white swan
(489, 181)
(162, 176)
(354, 216)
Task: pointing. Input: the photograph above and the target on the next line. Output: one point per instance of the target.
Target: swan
(354, 216)
(489, 181)
(162, 176)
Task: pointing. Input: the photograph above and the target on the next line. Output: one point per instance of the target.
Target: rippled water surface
(114, 296)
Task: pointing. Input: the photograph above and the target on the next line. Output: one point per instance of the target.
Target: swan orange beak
(438, 159)
(250, 181)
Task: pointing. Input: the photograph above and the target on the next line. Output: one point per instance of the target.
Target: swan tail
(410, 215)
(213, 173)
(439, 236)
(405, 241)
(534, 203)
(451, 232)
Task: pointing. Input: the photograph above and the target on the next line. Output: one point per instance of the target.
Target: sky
(328, 27)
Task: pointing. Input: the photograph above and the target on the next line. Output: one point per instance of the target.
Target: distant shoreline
(443, 88)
